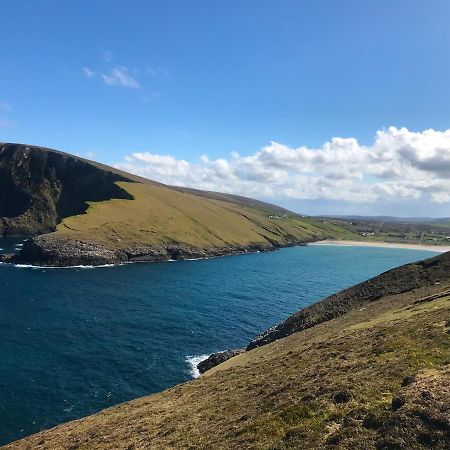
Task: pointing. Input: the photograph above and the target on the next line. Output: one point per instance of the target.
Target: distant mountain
(390, 219)
(81, 212)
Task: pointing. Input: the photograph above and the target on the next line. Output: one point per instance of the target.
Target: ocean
(75, 341)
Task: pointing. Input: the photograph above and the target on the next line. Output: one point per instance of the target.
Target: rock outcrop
(217, 358)
(48, 250)
(39, 187)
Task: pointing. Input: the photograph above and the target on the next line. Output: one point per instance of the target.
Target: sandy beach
(430, 248)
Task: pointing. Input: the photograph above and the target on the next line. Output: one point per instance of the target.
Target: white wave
(184, 259)
(31, 266)
(193, 360)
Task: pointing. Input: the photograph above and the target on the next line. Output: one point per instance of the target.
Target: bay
(75, 341)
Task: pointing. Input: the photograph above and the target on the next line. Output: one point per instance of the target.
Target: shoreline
(44, 251)
(398, 245)
(212, 253)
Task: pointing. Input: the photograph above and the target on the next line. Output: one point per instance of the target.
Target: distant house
(278, 216)
(367, 233)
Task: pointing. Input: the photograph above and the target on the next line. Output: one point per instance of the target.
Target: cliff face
(40, 187)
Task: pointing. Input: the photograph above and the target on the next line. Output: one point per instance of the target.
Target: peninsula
(78, 212)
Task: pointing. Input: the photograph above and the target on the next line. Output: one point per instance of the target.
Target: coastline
(48, 252)
(344, 243)
(72, 256)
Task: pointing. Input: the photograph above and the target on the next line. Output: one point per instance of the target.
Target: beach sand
(430, 248)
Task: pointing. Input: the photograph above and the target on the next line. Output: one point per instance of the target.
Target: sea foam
(31, 266)
(192, 361)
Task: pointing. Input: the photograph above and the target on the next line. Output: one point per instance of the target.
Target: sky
(324, 107)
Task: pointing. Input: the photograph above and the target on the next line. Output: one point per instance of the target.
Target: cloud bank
(399, 165)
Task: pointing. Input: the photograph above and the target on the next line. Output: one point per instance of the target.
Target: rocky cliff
(39, 187)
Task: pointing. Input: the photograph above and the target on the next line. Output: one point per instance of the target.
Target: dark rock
(427, 395)
(50, 250)
(6, 257)
(333, 439)
(410, 379)
(39, 187)
(217, 358)
(397, 403)
(343, 396)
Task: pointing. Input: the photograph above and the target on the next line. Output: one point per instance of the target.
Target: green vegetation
(419, 233)
(161, 215)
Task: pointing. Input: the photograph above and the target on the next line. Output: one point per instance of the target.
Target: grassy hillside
(161, 215)
(89, 213)
(376, 376)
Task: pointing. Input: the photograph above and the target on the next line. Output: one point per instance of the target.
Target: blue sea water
(74, 341)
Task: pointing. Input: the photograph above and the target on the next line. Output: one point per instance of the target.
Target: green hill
(81, 212)
(367, 368)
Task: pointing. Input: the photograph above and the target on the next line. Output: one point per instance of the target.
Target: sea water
(75, 341)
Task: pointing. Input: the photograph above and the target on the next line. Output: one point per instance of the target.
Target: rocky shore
(46, 250)
(217, 358)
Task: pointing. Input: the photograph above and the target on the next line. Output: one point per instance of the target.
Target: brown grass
(161, 215)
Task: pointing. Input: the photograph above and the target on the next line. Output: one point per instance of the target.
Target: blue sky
(185, 79)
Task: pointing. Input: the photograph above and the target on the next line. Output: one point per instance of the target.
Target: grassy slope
(157, 214)
(287, 394)
(163, 215)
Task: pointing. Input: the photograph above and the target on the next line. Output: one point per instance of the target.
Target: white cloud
(399, 165)
(120, 76)
(88, 72)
